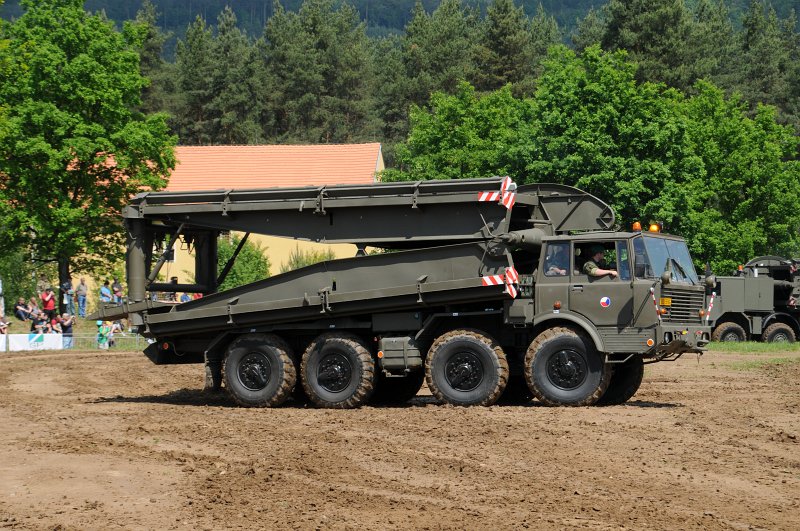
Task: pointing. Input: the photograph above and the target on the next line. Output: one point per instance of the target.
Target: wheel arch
(782, 317)
(579, 324)
(735, 317)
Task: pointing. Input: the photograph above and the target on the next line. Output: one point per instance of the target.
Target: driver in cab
(594, 266)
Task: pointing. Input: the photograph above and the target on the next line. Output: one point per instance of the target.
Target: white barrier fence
(20, 342)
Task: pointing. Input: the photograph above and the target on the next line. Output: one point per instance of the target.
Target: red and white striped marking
(710, 305)
(489, 196)
(492, 280)
(653, 294)
(504, 197)
(511, 275)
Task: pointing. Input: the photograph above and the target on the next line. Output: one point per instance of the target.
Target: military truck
(759, 302)
(467, 294)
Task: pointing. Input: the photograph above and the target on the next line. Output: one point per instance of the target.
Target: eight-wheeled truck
(759, 302)
(480, 289)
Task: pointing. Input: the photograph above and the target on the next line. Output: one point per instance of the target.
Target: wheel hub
(335, 372)
(731, 336)
(254, 371)
(780, 337)
(567, 369)
(464, 371)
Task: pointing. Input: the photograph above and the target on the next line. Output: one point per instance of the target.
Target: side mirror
(711, 281)
(666, 276)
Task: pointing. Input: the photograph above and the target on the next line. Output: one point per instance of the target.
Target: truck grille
(685, 306)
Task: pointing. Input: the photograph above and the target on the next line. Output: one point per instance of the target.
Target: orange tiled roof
(226, 167)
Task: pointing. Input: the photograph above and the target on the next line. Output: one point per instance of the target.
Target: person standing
(82, 291)
(68, 296)
(66, 322)
(49, 303)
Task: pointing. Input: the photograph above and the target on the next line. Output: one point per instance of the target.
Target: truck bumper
(675, 339)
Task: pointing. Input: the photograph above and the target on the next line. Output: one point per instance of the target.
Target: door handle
(577, 288)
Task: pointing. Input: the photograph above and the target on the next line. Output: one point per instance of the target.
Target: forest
(685, 113)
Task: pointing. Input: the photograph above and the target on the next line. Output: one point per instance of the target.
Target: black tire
(259, 371)
(466, 368)
(625, 381)
(564, 369)
(338, 371)
(779, 333)
(517, 392)
(398, 390)
(729, 332)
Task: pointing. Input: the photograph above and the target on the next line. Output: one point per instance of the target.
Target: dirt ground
(107, 440)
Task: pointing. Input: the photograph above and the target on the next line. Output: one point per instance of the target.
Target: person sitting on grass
(22, 310)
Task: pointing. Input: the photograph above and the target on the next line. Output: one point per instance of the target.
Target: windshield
(653, 256)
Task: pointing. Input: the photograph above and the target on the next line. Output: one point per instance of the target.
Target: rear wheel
(259, 371)
(564, 369)
(338, 371)
(466, 368)
(398, 390)
(625, 381)
(779, 333)
(728, 332)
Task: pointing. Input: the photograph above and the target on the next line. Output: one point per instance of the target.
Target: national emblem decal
(605, 302)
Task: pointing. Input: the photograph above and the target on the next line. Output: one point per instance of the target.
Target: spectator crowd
(39, 314)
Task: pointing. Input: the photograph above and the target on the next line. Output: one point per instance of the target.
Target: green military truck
(480, 291)
(759, 302)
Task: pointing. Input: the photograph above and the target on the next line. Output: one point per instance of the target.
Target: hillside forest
(681, 112)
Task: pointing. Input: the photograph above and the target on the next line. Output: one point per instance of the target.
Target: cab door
(553, 282)
(606, 301)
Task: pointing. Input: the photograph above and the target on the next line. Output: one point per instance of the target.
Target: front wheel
(259, 371)
(625, 381)
(564, 369)
(779, 333)
(466, 368)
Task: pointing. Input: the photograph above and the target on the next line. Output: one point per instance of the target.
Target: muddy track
(107, 440)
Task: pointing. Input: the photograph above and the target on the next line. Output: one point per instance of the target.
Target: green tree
(545, 33)
(504, 51)
(194, 66)
(76, 150)
(298, 258)
(656, 34)
(159, 95)
(745, 203)
(251, 264)
(233, 112)
(466, 135)
(770, 50)
(600, 130)
(318, 62)
(589, 30)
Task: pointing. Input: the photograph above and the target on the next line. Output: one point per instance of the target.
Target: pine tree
(232, 111)
(160, 94)
(589, 30)
(655, 33)
(504, 52)
(194, 66)
(320, 65)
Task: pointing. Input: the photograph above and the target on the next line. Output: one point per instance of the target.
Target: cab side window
(623, 261)
(556, 260)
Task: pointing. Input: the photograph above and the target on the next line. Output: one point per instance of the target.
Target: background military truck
(759, 302)
(468, 299)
